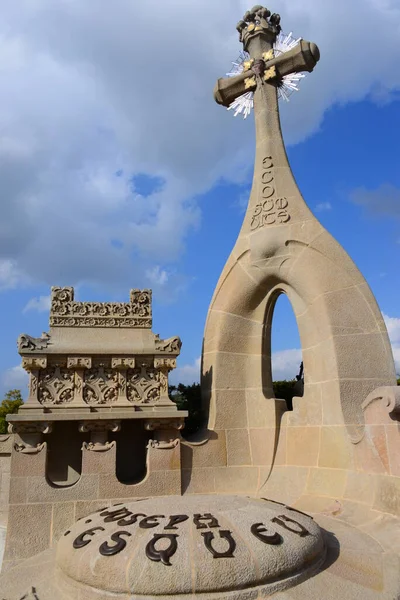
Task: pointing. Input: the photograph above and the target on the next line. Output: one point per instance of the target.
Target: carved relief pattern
(26, 343)
(33, 384)
(143, 385)
(102, 381)
(79, 362)
(31, 364)
(66, 312)
(100, 385)
(167, 363)
(56, 386)
(270, 210)
(172, 345)
(123, 363)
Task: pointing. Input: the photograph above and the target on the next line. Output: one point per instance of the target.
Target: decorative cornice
(66, 312)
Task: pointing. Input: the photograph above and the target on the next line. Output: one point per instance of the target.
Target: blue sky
(115, 175)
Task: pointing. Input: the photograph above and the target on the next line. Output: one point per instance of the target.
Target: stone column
(164, 366)
(33, 366)
(166, 432)
(99, 434)
(122, 365)
(79, 364)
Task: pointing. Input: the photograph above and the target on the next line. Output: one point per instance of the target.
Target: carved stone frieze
(27, 343)
(79, 362)
(34, 363)
(100, 385)
(56, 386)
(171, 345)
(143, 385)
(66, 312)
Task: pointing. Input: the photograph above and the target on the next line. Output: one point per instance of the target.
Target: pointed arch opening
(283, 373)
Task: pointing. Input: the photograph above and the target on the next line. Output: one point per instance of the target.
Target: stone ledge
(103, 416)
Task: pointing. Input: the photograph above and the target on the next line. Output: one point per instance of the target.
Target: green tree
(10, 405)
(188, 397)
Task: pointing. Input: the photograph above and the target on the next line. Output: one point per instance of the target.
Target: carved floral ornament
(93, 381)
(66, 312)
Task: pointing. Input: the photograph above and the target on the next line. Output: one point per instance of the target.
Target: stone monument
(222, 516)
(98, 422)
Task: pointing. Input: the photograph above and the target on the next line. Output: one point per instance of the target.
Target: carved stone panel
(56, 386)
(100, 385)
(143, 385)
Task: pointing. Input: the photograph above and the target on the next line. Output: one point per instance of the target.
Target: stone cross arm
(302, 58)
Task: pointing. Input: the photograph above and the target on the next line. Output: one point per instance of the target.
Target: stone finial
(256, 21)
(66, 312)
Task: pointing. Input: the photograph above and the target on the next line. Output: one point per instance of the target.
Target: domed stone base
(211, 547)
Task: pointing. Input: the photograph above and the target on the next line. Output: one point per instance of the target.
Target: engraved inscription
(107, 550)
(162, 546)
(210, 521)
(271, 210)
(260, 531)
(81, 541)
(291, 525)
(162, 555)
(227, 535)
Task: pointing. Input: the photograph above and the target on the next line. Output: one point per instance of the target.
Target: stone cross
(270, 202)
(258, 32)
(283, 249)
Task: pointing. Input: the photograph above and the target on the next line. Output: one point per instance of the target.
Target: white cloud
(187, 374)
(87, 93)
(385, 200)
(323, 206)
(10, 275)
(15, 378)
(393, 327)
(41, 304)
(157, 275)
(286, 364)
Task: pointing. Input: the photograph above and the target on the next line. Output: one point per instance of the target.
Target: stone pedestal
(98, 424)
